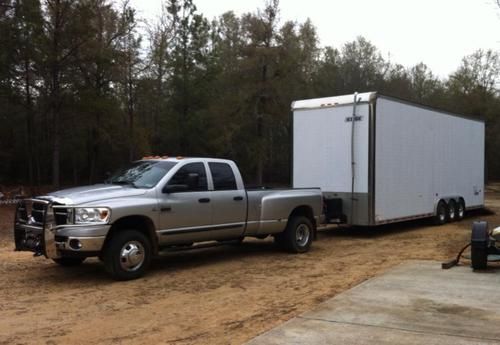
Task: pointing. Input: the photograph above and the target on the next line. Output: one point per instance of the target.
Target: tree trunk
(56, 150)
(55, 93)
(130, 107)
(29, 122)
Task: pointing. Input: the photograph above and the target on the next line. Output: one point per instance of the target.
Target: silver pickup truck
(157, 204)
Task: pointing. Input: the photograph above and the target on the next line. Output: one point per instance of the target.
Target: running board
(200, 245)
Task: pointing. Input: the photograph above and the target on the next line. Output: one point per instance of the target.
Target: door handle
(238, 198)
(204, 200)
(166, 209)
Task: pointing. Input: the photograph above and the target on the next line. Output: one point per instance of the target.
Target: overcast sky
(436, 32)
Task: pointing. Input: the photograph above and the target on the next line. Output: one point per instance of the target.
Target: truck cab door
(229, 204)
(185, 206)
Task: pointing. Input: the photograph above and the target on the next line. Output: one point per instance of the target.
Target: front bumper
(81, 239)
(54, 241)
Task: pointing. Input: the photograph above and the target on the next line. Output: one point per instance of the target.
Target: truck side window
(223, 176)
(181, 177)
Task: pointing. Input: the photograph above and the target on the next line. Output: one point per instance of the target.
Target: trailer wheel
(441, 213)
(452, 211)
(68, 262)
(298, 235)
(479, 245)
(127, 255)
(460, 209)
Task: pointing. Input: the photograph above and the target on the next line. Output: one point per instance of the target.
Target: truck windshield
(142, 174)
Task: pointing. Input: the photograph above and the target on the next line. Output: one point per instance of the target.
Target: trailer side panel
(423, 155)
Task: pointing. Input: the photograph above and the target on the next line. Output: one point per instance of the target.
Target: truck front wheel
(298, 235)
(127, 255)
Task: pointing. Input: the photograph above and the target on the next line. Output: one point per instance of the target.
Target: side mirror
(175, 188)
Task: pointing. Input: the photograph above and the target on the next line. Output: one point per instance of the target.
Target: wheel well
(305, 211)
(139, 223)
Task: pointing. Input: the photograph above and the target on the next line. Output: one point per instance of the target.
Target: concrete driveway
(415, 303)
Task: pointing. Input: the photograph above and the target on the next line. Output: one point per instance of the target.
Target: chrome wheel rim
(460, 211)
(132, 256)
(442, 214)
(451, 212)
(302, 234)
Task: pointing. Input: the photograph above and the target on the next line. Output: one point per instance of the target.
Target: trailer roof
(332, 101)
(367, 97)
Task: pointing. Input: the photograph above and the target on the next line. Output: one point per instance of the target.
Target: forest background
(86, 86)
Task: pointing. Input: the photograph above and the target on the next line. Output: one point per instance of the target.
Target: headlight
(90, 215)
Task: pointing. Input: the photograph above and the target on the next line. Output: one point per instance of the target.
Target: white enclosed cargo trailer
(380, 159)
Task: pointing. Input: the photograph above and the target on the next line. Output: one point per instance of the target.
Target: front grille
(59, 238)
(22, 212)
(31, 212)
(38, 212)
(61, 215)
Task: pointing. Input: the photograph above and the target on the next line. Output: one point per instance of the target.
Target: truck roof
(182, 159)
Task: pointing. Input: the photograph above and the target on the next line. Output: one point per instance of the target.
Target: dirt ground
(222, 295)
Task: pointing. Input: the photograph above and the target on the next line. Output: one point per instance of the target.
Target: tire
(69, 262)
(441, 213)
(460, 209)
(479, 245)
(128, 255)
(298, 235)
(452, 211)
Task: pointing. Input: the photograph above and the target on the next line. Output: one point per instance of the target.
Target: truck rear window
(223, 176)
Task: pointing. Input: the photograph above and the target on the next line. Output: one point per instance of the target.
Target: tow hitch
(483, 245)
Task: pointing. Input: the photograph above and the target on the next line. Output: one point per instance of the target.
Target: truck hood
(86, 194)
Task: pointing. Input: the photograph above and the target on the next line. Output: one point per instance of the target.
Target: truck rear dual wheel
(298, 235)
(127, 255)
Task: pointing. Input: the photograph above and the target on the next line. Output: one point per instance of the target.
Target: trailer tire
(298, 235)
(69, 262)
(460, 209)
(452, 211)
(441, 213)
(479, 245)
(127, 255)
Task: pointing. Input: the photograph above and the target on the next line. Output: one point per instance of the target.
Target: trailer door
(322, 154)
